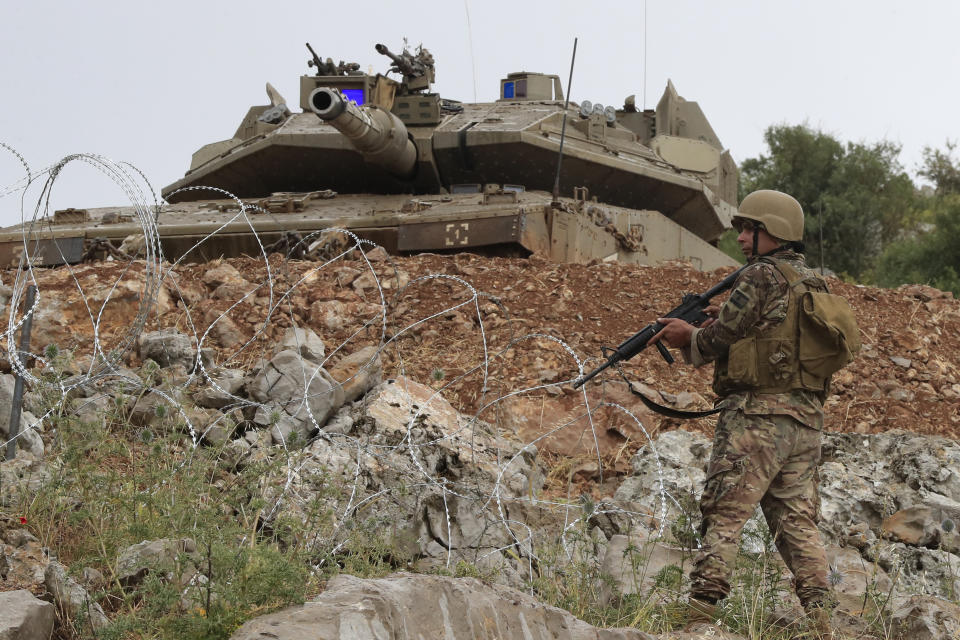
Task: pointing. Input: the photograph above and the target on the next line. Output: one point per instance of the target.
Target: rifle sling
(663, 410)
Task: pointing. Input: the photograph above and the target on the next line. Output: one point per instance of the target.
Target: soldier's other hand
(675, 333)
(714, 312)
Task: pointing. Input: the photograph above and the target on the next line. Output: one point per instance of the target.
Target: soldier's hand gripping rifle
(691, 310)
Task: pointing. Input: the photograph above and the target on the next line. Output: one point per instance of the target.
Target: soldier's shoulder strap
(794, 276)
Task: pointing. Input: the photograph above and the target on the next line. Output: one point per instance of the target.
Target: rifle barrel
(638, 341)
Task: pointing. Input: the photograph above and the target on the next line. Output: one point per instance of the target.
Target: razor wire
(107, 350)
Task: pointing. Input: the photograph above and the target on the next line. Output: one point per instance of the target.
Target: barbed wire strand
(423, 432)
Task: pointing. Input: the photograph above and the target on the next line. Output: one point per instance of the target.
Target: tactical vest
(768, 361)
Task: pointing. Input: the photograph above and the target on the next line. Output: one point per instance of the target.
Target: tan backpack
(829, 335)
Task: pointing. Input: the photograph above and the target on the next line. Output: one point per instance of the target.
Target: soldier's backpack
(829, 335)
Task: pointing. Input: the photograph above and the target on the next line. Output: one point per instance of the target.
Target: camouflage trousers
(770, 460)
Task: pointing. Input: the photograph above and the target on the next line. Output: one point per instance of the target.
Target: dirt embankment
(906, 376)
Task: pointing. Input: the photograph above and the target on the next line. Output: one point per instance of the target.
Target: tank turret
(401, 166)
(376, 133)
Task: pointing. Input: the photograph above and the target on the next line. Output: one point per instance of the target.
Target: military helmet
(781, 214)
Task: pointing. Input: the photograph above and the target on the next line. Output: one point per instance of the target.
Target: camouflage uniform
(766, 450)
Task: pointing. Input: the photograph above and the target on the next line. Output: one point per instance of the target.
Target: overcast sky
(149, 83)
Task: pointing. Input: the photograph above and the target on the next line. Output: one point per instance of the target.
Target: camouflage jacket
(759, 299)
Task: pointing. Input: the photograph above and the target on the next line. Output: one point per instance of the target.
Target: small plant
(51, 351)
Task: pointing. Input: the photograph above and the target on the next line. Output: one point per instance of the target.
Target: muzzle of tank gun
(377, 134)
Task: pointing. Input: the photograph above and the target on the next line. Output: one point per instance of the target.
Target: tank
(395, 163)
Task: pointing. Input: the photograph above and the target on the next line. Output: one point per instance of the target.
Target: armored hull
(504, 222)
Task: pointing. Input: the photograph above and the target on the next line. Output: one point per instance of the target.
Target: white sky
(149, 83)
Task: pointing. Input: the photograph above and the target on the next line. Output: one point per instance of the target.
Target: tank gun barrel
(377, 134)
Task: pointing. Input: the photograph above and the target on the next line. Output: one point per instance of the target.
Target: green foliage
(856, 193)
(940, 168)
(114, 488)
(930, 253)
(237, 584)
(801, 162)
(929, 257)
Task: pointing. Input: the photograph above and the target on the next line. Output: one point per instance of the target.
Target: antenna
(644, 55)
(473, 63)
(820, 228)
(563, 129)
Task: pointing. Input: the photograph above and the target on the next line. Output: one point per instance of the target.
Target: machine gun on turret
(417, 70)
(327, 68)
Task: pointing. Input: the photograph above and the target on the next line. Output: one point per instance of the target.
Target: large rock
(918, 569)
(221, 273)
(93, 408)
(223, 329)
(29, 436)
(914, 525)
(152, 409)
(7, 382)
(23, 616)
(558, 423)
(227, 282)
(867, 478)
(901, 486)
(331, 314)
(72, 599)
(168, 347)
(925, 618)
(305, 342)
(852, 577)
(136, 561)
(358, 372)
(674, 462)
(21, 479)
(288, 431)
(23, 561)
(638, 564)
(300, 388)
(443, 487)
(220, 389)
(406, 606)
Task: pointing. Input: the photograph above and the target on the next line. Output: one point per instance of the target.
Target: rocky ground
(906, 376)
(449, 374)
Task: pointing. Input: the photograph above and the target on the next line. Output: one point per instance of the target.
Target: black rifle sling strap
(670, 412)
(663, 410)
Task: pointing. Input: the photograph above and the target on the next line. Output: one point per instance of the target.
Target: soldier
(766, 447)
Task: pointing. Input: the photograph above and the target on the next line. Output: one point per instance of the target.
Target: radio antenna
(563, 129)
(473, 62)
(820, 227)
(644, 55)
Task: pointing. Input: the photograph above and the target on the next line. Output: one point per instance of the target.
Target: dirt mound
(516, 334)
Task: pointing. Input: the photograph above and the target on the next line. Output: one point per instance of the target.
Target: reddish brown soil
(586, 306)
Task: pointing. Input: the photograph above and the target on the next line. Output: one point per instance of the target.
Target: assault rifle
(690, 310)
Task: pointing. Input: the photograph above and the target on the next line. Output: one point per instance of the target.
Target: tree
(940, 168)
(858, 193)
(930, 257)
(800, 163)
(931, 254)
